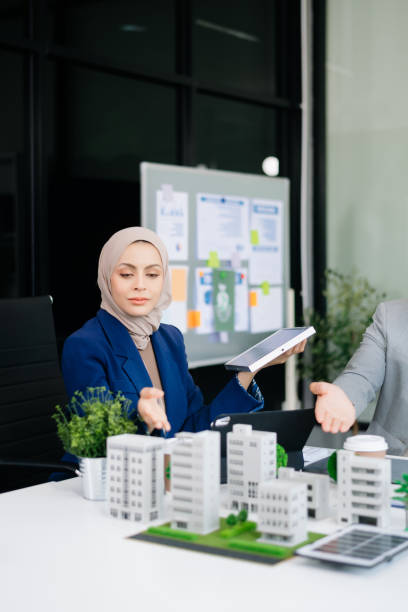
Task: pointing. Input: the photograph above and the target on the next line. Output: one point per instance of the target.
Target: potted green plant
(83, 427)
(350, 304)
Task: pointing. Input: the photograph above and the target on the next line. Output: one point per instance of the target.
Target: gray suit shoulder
(392, 314)
(395, 306)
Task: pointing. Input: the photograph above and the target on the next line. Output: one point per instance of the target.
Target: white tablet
(268, 349)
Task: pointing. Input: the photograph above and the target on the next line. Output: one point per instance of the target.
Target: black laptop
(292, 428)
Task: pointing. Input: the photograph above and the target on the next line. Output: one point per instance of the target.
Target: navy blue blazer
(102, 354)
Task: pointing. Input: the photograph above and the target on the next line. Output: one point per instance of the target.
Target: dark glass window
(11, 102)
(235, 135)
(12, 246)
(106, 125)
(13, 15)
(236, 45)
(111, 124)
(8, 229)
(138, 33)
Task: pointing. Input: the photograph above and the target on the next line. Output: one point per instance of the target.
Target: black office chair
(31, 385)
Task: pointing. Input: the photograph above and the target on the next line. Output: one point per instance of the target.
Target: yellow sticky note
(265, 287)
(179, 284)
(254, 237)
(253, 298)
(193, 319)
(213, 260)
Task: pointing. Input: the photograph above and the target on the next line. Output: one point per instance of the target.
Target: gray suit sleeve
(364, 374)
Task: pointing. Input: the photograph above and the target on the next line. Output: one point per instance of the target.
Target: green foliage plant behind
(403, 488)
(350, 305)
(90, 418)
(281, 457)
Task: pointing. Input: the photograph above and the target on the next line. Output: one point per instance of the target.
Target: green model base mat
(224, 542)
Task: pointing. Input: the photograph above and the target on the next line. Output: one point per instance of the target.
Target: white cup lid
(365, 444)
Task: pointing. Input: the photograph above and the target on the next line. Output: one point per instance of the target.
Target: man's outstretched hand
(333, 410)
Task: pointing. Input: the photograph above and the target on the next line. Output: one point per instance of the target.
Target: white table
(62, 553)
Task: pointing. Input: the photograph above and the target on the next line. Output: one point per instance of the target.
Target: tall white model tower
(282, 514)
(364, 488)
(135, 477)
(195, 481)
(251, 459)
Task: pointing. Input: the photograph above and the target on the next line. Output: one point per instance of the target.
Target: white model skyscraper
(135, 477)
(282, 513)
(364, 488)
(195, 481)
(251, 459)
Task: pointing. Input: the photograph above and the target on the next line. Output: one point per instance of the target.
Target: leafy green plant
(231, 520)
(403, 488)
(281, 457)
(350, 304)
(242, 516)
(332, 466)
(90, 418)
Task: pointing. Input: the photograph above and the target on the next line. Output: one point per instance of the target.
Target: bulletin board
(227, 235)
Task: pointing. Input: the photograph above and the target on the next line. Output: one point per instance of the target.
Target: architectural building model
(135, 478)
(195, 481)
(363, 489)
(282, 512)
(251, 459)
(317, 490)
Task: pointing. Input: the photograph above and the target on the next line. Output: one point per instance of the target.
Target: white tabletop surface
(60, 552)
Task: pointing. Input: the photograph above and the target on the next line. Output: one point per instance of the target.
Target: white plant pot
(93, 474)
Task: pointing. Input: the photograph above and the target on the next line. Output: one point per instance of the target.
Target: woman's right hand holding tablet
(151, 409)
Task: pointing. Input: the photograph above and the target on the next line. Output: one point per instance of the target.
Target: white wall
(367, 140)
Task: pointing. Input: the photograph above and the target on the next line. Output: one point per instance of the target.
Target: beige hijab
(139, 327)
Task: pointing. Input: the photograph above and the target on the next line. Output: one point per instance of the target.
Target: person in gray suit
(379, 366)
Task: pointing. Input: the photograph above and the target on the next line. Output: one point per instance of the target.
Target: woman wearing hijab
(125, 348)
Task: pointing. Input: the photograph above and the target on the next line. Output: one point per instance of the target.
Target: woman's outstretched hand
(151, 409)
(298, 348)
(333, 410)
(245, 378)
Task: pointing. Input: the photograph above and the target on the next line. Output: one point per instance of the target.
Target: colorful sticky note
(193, 319)
(254, 237)
(213, 260)
(265, 287)
(179, 284)
(253, 298)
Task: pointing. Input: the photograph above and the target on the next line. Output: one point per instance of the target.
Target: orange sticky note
(179, 284)
(253, 298)
(193, 318)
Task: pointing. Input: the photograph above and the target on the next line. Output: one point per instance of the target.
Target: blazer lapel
(124, 348)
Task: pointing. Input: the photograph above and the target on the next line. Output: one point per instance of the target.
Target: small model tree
(242, 516)
(231, 520)
(281, 457)
(332, 466)
(403, 488)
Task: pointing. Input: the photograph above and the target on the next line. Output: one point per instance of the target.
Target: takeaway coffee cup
(368, 446)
